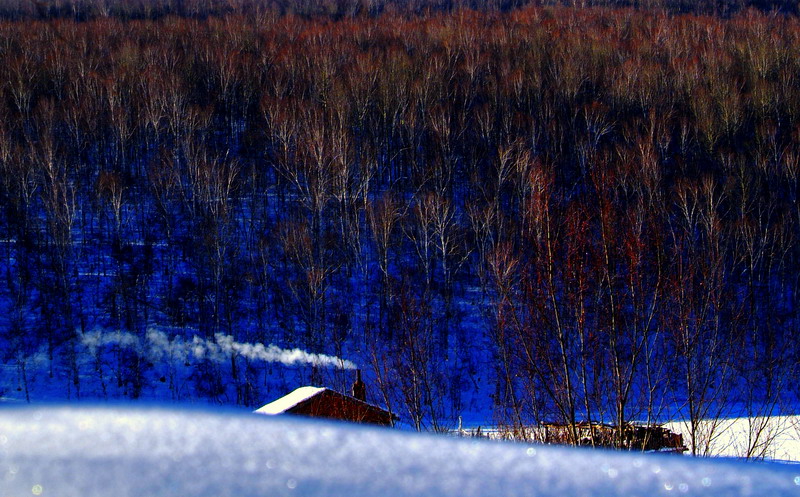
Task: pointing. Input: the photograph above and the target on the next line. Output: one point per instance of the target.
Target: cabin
(320, 402)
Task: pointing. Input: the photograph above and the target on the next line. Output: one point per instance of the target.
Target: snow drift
(87, 452)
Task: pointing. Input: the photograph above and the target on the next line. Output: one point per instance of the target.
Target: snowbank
(776, 437)
(88, 452)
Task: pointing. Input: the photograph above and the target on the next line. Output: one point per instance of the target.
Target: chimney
(359, 389)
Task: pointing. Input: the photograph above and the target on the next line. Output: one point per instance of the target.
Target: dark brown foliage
(620, 189)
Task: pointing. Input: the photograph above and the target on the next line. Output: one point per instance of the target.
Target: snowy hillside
(126, 451)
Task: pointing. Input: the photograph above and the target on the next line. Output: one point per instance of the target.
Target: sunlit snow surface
(777, 437)
(148, 452)
(287, 402)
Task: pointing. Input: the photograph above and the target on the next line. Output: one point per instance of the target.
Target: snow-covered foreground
(86, 452)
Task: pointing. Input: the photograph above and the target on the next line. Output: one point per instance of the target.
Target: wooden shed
(326, 403)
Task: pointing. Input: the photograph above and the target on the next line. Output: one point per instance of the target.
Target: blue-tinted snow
(89, 452)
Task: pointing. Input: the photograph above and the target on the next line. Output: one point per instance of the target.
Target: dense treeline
(605, 200)
(82, 10)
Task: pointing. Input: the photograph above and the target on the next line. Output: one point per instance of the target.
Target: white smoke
(273, 353)
(158, 346)
(96, 339)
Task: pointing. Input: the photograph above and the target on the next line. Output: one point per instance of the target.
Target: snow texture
(775, 437)
(121, 451)
(286, 402)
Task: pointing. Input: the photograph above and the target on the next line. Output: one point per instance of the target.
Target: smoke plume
(158, 346)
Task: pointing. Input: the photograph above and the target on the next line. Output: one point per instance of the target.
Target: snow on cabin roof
(286, 402)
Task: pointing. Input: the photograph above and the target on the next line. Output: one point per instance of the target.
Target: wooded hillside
(604, 200)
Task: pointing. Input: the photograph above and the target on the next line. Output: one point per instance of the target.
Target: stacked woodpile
(648, 438)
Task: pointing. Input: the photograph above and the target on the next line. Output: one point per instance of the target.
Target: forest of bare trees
(83, 10)
(594, 211)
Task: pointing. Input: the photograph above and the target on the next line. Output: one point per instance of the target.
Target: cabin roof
(289, 401)
(294, 402)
